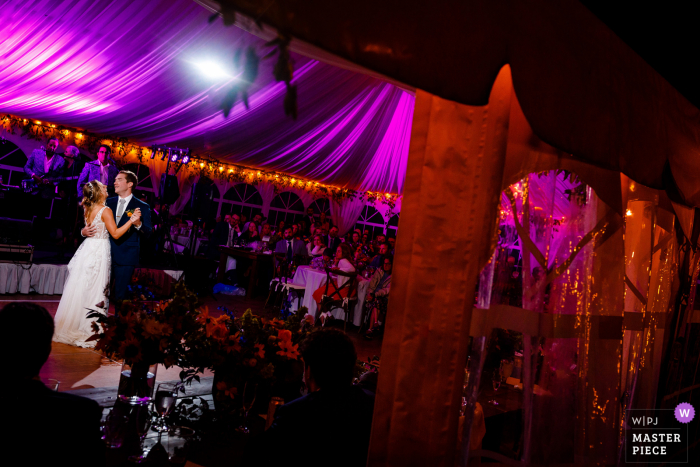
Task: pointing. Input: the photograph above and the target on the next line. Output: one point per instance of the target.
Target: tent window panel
(12, 155)
(275, 216)
(287, 201)
(371, 220)
(242, 199)
(225, 209)
(321, 205)
(244, 193)
(143, 174)
(286, 207)
(393, 225)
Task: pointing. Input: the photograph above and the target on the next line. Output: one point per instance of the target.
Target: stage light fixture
(186, 159)
(174, 157)
(153, 152)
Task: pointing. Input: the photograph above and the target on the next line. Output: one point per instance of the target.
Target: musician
(44, 164)
(103, 169)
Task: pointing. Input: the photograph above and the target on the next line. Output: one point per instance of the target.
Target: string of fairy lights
(125, 151)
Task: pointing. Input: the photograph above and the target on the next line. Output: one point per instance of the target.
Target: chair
(280, 273)
(336, 299)
(298, 290)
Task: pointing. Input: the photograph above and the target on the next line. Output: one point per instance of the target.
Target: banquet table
(227, 254)
(312, 279)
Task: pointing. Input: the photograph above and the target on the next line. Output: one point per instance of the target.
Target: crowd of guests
(316, 241)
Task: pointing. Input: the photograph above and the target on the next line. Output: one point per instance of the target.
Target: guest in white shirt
(316, 247)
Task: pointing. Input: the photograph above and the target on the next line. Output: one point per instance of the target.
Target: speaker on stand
(169, 189)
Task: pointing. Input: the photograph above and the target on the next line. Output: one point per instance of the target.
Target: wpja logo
(658, 435)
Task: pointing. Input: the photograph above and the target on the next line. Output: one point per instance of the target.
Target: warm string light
(325, 190)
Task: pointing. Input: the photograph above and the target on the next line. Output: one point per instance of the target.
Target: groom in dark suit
(125, 250)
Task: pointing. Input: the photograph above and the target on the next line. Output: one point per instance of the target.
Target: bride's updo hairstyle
(92, 194)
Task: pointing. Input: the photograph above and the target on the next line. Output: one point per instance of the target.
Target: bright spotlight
(212, 70)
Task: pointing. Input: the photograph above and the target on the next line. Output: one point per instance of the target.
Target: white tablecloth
(313, 279)
(48, 279)
(40, 278)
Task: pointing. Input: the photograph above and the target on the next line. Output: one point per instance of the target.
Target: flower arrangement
(148, 333)
(260, 352)
(248, 349)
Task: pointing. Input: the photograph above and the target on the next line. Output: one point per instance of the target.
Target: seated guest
(280, 229)
(343, 262)
(316, 247)
(290, 245)
(68, 425)
(258, 218)
(323, 261)
(331, 425)
(392, 244)
(377, 261)
(266, 231)
(224, 234)
(361, 260)
(250, 235)
(355, 242)
(296, 232)
(377, 296)
(333, 241)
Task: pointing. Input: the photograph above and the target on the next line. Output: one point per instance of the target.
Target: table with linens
(312, 279)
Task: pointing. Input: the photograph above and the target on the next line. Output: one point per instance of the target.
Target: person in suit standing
(70, 423)
(291, 246)
(310, 220)
(103, 170)
(225, 233)
(126, 249)
(44, 164)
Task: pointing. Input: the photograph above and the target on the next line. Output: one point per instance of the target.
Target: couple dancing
(113, 228)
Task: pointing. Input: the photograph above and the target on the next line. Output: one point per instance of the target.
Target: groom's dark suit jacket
(125, 250)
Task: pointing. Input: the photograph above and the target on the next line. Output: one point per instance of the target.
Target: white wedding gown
(86, 288)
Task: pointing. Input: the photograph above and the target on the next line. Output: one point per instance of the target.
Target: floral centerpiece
(249, 353)
(146, 334)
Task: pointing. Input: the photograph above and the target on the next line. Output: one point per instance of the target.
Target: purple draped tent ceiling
(131, 69)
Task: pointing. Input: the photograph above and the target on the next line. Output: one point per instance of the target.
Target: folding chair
(335, 299)
(280, 272)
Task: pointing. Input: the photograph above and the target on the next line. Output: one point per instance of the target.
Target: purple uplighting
(114, 69)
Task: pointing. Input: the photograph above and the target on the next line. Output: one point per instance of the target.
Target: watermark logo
(658, 435)
(685, 413)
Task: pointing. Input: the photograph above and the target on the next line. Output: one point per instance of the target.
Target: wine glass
(248, 401)
(143, 423)
(496, 383)
(166, 394)
(114, 429)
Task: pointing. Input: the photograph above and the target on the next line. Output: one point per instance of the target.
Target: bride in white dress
(88, 271)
